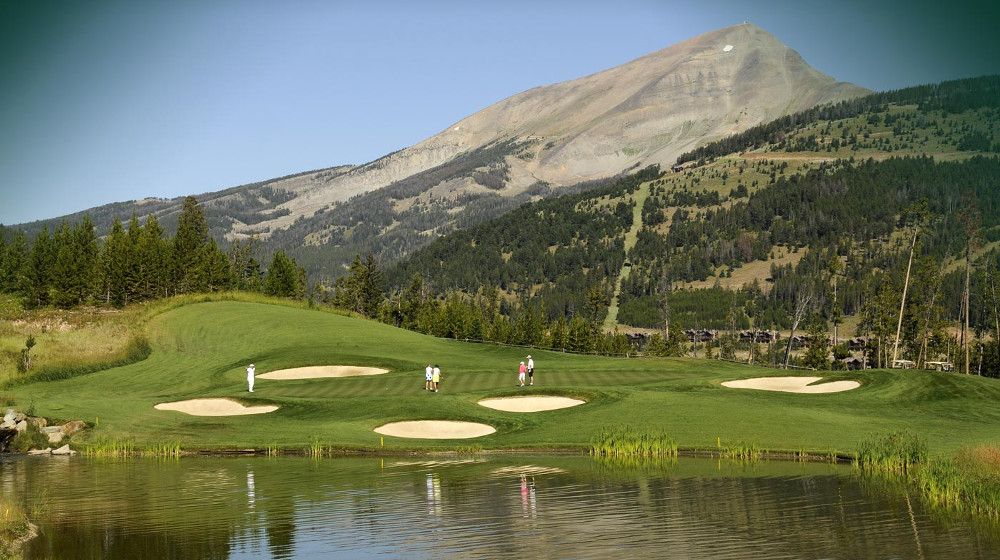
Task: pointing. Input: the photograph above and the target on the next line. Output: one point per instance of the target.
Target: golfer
(531, 370)
(428, 378)
(250, 371)
(436, 377)
(520, 374)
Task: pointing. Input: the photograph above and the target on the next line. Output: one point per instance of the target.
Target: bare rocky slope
(647, 111)
(531, 145)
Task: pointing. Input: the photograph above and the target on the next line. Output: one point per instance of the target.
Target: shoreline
(793, 456)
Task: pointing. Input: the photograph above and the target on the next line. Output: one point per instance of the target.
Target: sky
(106, 100)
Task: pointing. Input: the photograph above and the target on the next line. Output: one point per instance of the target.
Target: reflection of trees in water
(191, 508)
(220, 508)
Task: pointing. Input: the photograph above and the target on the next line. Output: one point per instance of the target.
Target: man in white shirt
(531, 370)
(250, 372)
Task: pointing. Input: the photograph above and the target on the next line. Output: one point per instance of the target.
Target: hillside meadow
(200, 350)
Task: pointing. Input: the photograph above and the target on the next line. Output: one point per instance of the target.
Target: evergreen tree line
(138, 262)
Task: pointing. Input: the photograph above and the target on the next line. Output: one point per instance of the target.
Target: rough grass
(968, 483)
(201, 350)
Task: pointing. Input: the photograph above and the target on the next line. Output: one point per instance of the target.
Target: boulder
(38, 422)
(64, 450)
(21, 426)
(46, 451)
(70, 428)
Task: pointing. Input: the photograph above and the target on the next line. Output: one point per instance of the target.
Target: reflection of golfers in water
(528, 507)
(433, 494)
(251, 489)
(250, 371)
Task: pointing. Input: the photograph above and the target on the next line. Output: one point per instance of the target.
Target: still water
(473, 507)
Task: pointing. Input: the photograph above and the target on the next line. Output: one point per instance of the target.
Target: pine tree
(74, 270)
(361, 290)
(817, 352)
(114, 261)
(35, 282)
(154, 261)
(217, 275)
(62, 268)
(245, 264)
(192, 235)
(13, 264)
(282, 278)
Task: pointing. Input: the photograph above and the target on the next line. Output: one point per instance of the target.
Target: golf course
(200, 350)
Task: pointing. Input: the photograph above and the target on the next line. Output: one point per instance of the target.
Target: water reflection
(528, 505)
(496, 507)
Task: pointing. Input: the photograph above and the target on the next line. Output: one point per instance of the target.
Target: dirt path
(640, 196)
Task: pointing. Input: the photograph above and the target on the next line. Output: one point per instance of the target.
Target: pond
(475, 506)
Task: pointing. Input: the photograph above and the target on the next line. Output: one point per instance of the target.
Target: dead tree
(802, 302)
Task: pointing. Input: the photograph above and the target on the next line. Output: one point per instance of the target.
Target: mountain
(868, 229)
(533, 145)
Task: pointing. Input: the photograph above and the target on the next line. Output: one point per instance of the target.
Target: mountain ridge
(646, 111)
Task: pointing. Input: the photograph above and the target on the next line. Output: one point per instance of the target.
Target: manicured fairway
(201, 350)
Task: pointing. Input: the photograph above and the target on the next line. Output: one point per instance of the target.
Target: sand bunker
(313, 372)
(214, 407)
(792, 385)
(435, 429)
(530, 404)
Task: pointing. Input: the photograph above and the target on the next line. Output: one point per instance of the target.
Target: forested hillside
(820, 209)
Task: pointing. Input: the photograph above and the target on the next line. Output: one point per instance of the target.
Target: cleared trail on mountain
(631, 236)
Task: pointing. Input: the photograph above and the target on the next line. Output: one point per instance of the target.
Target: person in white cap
(531, 370)
(250, 371)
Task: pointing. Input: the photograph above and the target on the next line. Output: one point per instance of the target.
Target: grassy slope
(200, 350)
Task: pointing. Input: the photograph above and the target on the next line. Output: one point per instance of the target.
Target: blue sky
(108, 100)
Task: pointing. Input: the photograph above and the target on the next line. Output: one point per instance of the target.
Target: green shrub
(30, 438)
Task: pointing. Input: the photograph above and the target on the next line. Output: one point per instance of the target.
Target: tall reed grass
(119, 448)
(626, 441)
(744, 451)
(969, 482)
(895, 453)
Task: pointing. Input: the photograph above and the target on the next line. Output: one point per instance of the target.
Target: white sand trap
(530, 404)
(792, 385)
(435, 429)
(214, 407)
(313, 372)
